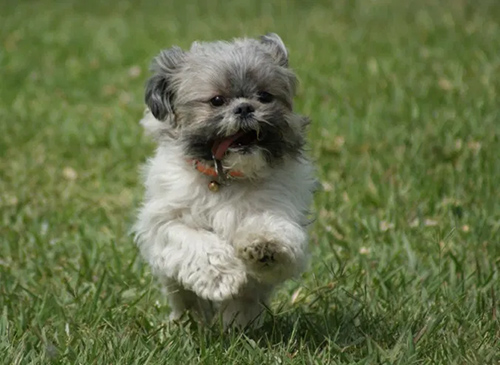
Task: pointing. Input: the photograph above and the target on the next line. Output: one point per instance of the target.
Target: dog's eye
(265, 97)
(217, 101)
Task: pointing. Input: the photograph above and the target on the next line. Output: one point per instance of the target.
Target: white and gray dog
(229, 188)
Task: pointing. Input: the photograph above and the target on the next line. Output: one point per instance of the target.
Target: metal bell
(213, 186)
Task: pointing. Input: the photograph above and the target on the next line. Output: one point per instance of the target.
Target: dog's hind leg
(248, 308)
(182, 300)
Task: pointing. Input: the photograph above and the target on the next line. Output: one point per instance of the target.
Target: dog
(228, 191)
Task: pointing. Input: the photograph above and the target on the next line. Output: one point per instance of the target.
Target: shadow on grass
(330, 316)
(338, 329)
(314, 330)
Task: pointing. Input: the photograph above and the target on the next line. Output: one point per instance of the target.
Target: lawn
(404, 98)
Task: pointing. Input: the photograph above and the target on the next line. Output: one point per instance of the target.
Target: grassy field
(404, 98)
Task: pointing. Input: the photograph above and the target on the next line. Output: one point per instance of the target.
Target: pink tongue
(221, 145)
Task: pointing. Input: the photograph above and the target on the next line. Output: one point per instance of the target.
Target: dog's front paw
(216, 282)
(263, 253)
(219, 286)
(267, 258)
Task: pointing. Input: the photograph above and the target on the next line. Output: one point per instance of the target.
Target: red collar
(210, 171)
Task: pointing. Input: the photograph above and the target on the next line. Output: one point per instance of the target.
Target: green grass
(404, 98)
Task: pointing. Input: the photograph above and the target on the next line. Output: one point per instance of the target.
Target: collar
(212, 172)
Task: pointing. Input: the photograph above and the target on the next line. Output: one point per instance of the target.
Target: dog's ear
(276, 47)
(160, 88)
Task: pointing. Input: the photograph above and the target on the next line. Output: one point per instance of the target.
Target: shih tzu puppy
(228, 190)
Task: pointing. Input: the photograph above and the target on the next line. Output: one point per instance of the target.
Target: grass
(406, 134)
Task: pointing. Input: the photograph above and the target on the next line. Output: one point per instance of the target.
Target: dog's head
(228, 100)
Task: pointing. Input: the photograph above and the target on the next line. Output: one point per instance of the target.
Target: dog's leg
(181, 300)
(242, 312)
(196, 259)
(273, 248)
(248, 308)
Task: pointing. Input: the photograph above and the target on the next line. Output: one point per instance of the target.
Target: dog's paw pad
(262, 252)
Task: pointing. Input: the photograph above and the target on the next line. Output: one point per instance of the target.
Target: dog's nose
(244, 109)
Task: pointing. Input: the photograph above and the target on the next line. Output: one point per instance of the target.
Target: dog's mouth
(238, 141)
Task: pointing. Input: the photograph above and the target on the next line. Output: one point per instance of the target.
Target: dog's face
(229, 101)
